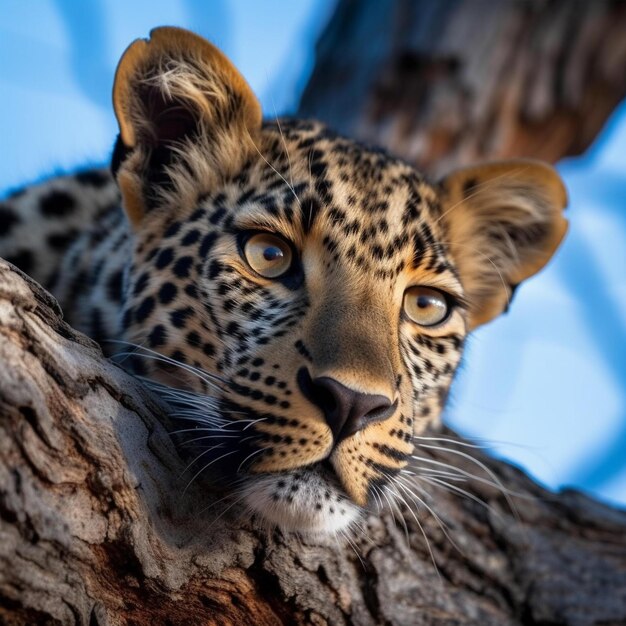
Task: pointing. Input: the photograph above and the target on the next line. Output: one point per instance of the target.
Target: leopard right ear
(187, 120)
(505, 221)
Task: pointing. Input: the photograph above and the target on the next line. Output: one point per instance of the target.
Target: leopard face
(304, 299)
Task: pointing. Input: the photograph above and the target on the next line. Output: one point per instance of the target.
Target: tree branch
(95, 527)
(446, 83)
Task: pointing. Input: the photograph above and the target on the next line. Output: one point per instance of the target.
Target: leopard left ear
(187, 119)
(504, 222)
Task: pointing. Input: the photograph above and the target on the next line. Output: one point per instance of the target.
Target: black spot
(468, 187)
(8, 219)
(61, 241)
(207, 243)
(244, 197)
(57, 203)
(157, 336)
(141, 283)
(23, 259)
(144, 309)
(127, 317)
(215, 269)
(179, 356)
(301, 348)
(193, 338)
(233, 329)
(216, 218)
(166, 256)
(197, 214)
(191, 237)
(310, 210)
(93, 178)
(114, 286)
(167, 293)
(182, 266)
(179, 316)
(172, 229)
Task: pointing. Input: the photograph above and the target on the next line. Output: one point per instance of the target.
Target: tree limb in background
(447, 82)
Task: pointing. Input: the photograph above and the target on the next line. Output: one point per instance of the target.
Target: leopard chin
(308, 501)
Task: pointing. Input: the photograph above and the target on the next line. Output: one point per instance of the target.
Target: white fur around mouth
(305, 501)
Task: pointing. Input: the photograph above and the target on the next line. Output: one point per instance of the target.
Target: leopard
(299, 300)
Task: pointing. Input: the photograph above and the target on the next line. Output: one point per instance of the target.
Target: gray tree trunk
(95, 526)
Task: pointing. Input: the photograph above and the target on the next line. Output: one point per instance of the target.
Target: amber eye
(425, 306)
(268, 255)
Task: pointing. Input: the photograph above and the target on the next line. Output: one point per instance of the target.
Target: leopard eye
(268, 255)
(426, 306)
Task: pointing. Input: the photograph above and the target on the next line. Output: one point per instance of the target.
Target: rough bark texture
(447, 82)
(95, 529)
(94, 525)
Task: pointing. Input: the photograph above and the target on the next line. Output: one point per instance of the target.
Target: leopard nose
(346, 411)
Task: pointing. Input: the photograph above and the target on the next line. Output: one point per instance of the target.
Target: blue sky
(545, 385)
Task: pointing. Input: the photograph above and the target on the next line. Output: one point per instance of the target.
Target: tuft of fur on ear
(187, 120)
(504, 222)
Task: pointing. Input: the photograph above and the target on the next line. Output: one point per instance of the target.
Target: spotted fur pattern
(228, 348)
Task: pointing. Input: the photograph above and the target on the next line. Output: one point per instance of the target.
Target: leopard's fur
(163, 268)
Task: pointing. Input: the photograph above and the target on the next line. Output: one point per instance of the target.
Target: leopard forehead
(360, 203)
(367, 218)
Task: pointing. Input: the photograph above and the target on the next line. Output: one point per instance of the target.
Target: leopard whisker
(471, 477)
(253, 422)
(379, 502)
(148, 351)
(189, 441)
(352, 544)
(203, 376)
(228, 508)
(458, 442)
(249, 457)
(476, 190)
(397, 512)
(189, 430)
(455, 489)
(219, 445)
(361, 528)
(482, 466)
(284, 142)
(219, 458)
(428, 546)
(408, 489)
(295, 195)
(436, 472)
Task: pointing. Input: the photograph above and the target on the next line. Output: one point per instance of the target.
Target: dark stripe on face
(310, 212)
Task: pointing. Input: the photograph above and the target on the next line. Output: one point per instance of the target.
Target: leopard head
(307, 298)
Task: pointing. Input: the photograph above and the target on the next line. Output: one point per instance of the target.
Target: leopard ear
(504, 221)
(187, 118)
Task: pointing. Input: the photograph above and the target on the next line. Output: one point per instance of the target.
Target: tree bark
(95, 527)
(448, 82)
(95, 524)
